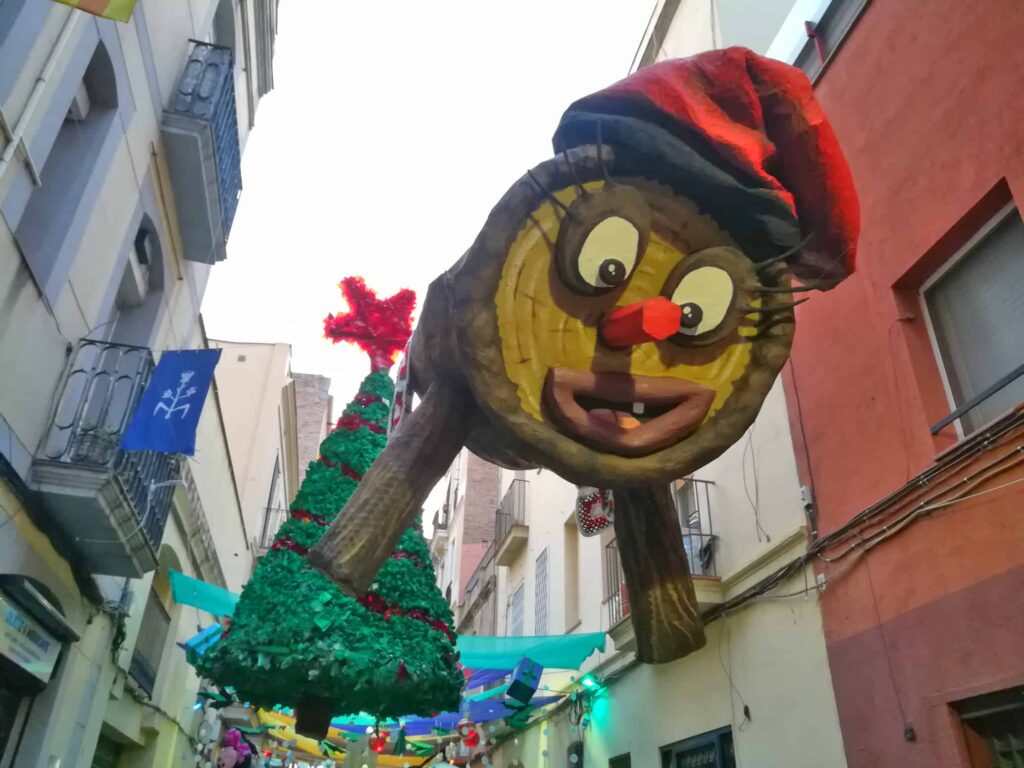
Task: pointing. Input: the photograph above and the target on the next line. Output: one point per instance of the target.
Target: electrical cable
(760, 590)
(728, 675)
(755, 500)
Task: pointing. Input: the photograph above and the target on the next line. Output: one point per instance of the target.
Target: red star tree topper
(380, 327)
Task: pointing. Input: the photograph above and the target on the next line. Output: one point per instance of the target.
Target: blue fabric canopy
(199, 594)
(551, 652)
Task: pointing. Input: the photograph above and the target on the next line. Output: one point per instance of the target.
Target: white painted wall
(89, 691)
(251, 380)
(774, 650)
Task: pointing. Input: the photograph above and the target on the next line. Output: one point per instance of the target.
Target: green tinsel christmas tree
(295, 638)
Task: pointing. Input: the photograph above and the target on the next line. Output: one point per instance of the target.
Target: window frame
(520, 589)
(951, 263)
(541, 602)
(715, 737)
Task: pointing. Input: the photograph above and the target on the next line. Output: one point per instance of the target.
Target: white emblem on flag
(175, 405)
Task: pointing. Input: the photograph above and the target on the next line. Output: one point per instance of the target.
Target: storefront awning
(550, 651)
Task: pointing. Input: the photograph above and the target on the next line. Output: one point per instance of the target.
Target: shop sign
(24, 641)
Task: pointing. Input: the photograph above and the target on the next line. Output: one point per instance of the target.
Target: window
(108, 753)
(976, 310)
(994, 728)
(540, 594)
(149, 647)
(572, 575)
(67, 176)
(709, 750)
(514, 619)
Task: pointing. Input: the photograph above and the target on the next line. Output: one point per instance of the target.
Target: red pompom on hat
(745, 139)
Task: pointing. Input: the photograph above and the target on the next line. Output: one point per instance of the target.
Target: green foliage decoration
(295, 634)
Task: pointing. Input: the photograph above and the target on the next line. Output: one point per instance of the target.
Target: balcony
(480, 593)
(200, 131)
(111, 504)
(510, 529)
(698, 540)
(439, 537)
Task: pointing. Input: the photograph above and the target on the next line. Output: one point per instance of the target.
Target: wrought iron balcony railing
(200, 130)
(112, 504)
(510, 529)
(441, 518)
(698, 539)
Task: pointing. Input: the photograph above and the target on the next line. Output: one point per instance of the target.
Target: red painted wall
(927, 97)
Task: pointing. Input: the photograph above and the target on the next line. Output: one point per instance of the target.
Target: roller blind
(977, 312)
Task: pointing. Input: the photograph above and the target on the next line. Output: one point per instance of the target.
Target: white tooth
(638, 409)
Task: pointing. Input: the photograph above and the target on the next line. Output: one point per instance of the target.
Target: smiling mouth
(625, 414)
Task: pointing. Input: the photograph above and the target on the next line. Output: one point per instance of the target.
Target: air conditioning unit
(80, 104)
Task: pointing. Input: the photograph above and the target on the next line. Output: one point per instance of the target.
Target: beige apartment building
(275, 421)
(119, 181)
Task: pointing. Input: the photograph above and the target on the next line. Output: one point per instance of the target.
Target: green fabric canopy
(199, 594)
(551, 652)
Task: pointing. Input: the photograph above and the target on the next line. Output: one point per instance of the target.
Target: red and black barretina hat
(743, 137)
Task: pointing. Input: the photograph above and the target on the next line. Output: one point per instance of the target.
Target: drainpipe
(17, 136)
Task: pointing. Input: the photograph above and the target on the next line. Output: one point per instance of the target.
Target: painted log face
(530, 344)
(623, 313)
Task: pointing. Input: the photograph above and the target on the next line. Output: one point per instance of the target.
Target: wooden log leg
(663, 604)
(392, 492)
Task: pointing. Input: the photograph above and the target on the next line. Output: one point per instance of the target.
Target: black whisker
(763, 328)
(547, 192)
(547, 240)
(600, 155)
(784, 289)
(572, 169)
(774, 308)
(763, 265)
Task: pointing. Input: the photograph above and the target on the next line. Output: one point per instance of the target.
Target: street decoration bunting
(595, 510)
(294, 638)
(168, 412)
(623, 314)
(117, 10)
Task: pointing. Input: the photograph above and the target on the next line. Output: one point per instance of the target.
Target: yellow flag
(118, 10)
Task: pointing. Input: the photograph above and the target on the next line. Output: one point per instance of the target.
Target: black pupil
(612, 272)
(692, 315)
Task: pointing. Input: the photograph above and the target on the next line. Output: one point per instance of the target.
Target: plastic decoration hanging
(594, 510)
(470, 735)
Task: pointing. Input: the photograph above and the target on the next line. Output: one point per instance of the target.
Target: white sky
(393, 129)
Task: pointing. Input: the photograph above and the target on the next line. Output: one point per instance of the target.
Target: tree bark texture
(392, 492)
(663, 604)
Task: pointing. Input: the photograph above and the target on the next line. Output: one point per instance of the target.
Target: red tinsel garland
(351, 422)
(305, 514)
(286, 542)
(376, 604)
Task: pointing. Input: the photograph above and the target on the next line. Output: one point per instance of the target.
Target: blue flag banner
(168, 411)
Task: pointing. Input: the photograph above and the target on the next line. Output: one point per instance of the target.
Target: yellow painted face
(552, 331)
(612, 331)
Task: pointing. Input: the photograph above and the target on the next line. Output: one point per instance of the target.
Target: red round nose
(651, 320)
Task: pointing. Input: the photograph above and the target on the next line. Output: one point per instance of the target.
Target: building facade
(261, 417)
(916, 477)
(119, 181)
(760, 691)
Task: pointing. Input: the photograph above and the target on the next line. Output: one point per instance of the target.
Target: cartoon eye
(601, 239)
(609, 253)
(705, 296)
